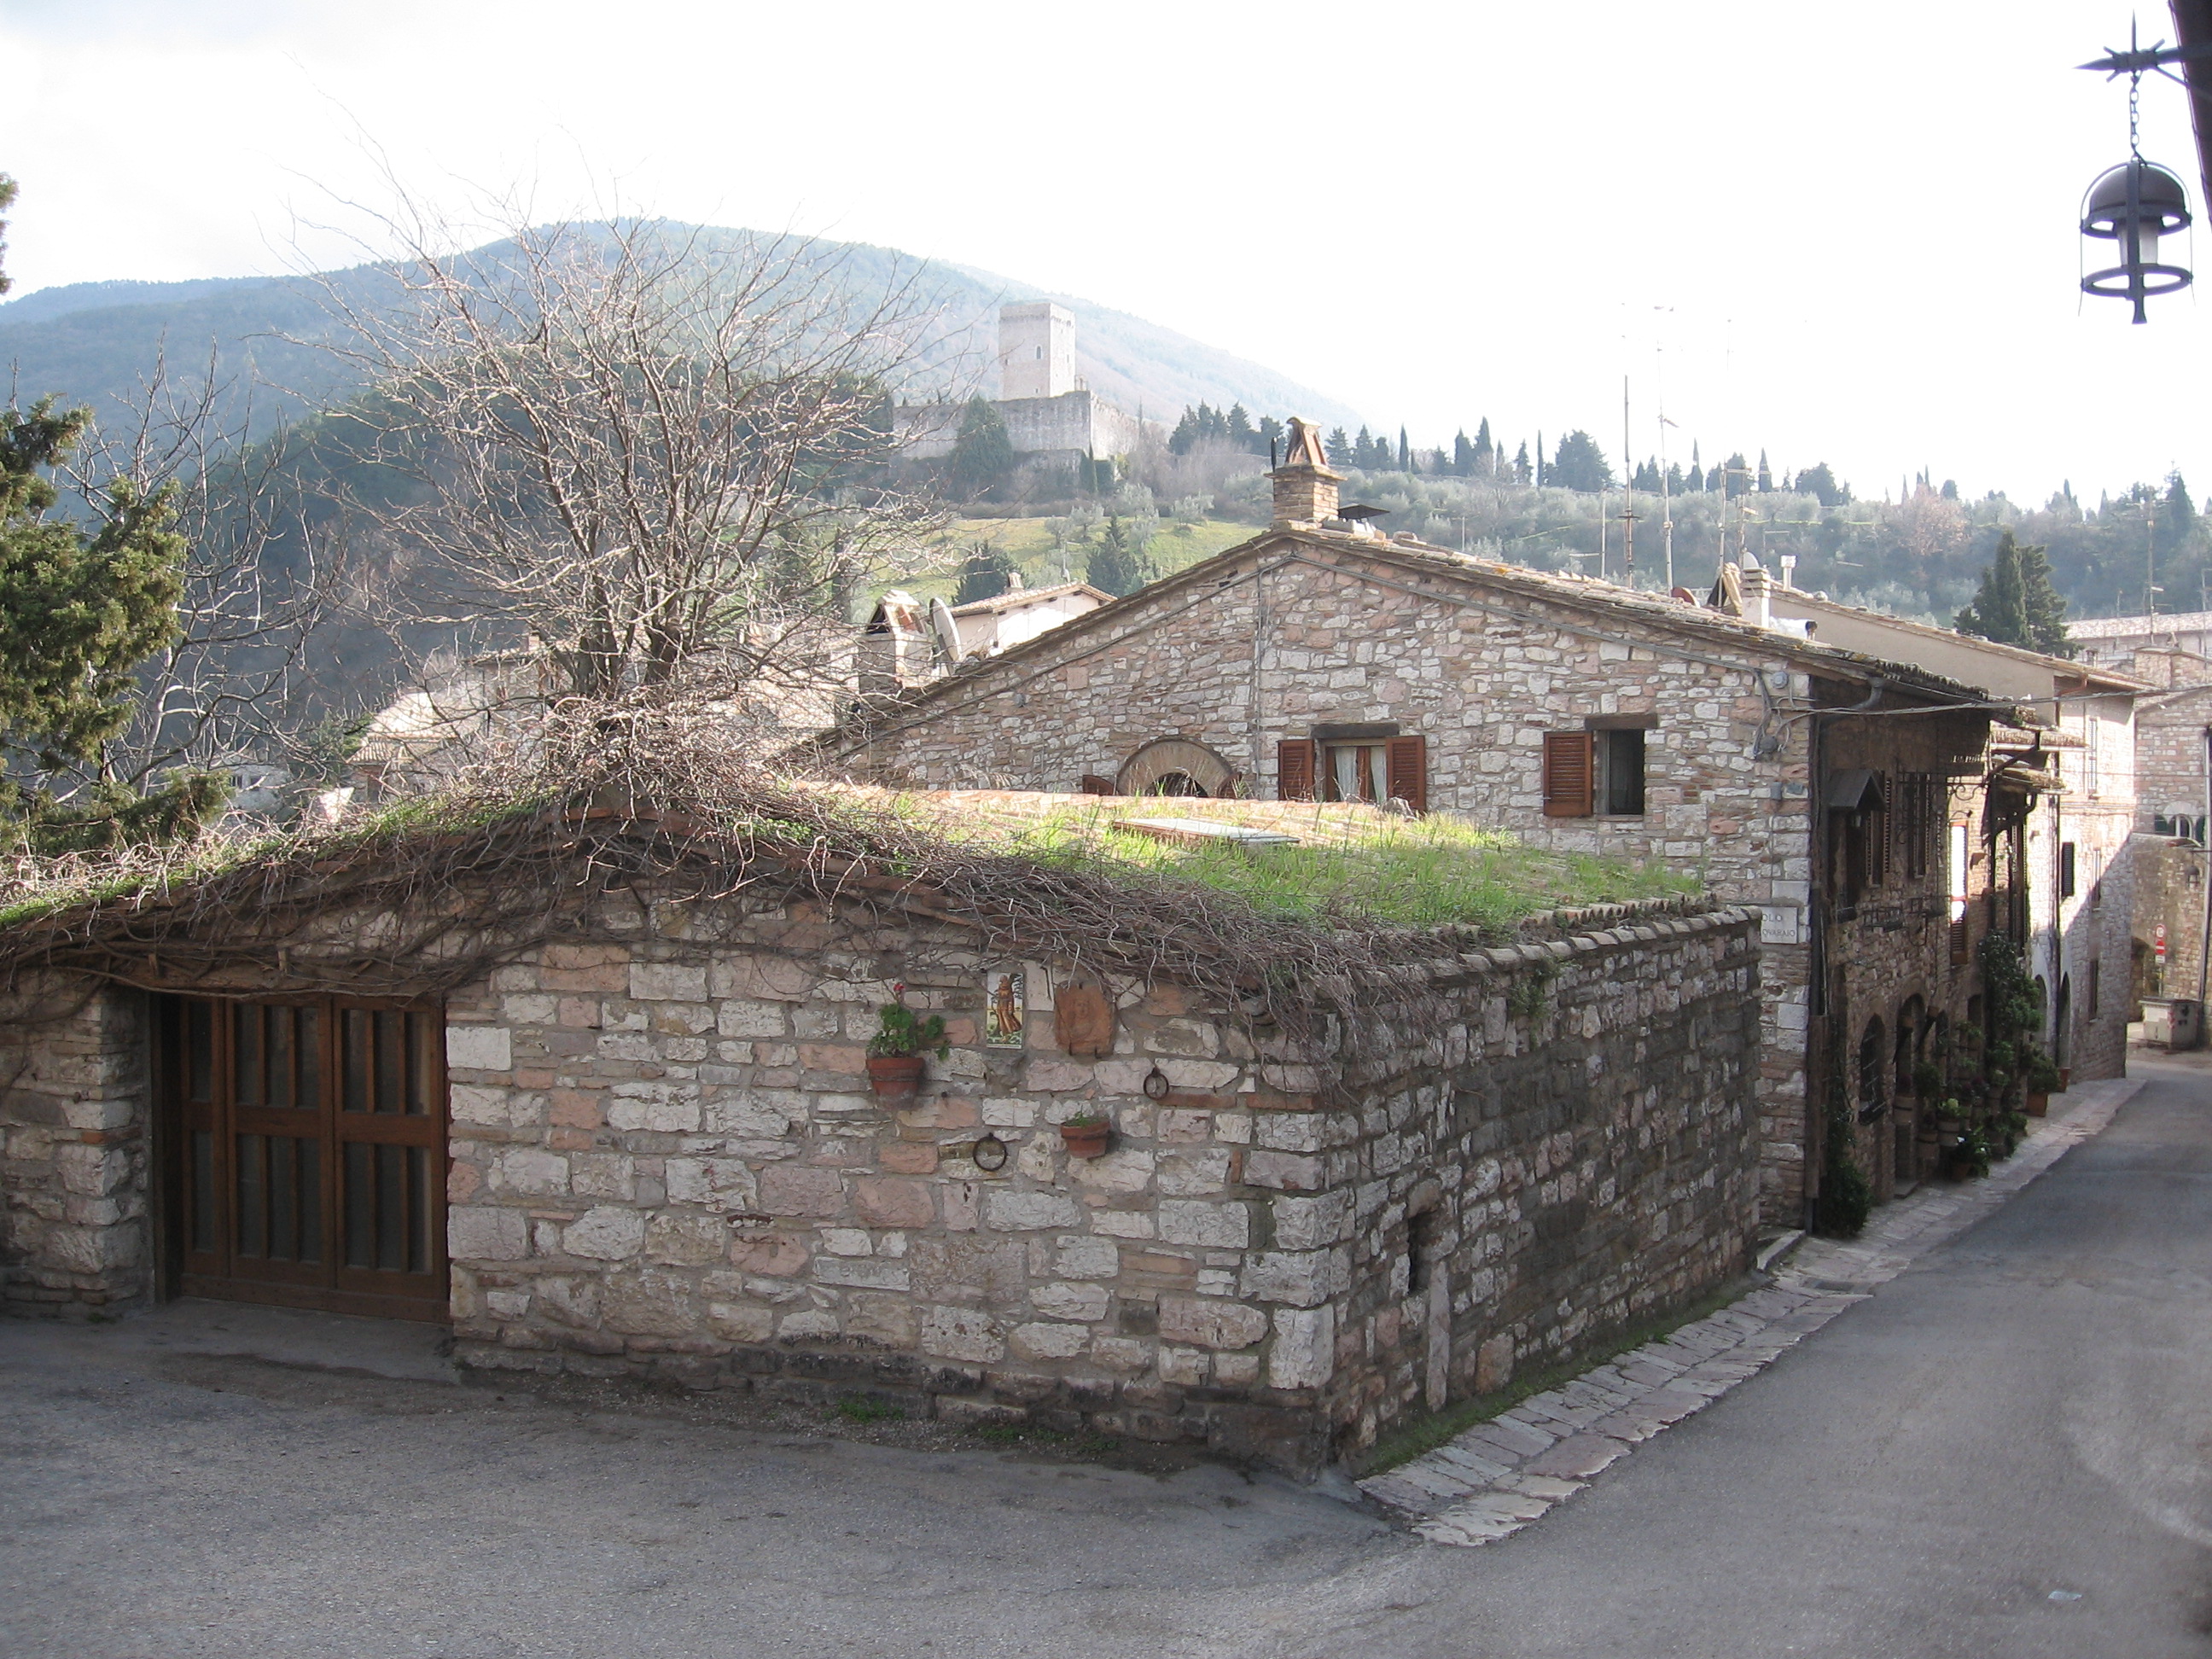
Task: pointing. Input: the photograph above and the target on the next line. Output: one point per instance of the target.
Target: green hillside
(95, 343)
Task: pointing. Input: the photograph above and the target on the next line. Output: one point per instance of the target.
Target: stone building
(1052, 420)
(643, 1139)
(1824, 785)
(2060, 804)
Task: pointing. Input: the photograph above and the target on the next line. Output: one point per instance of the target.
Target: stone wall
(666, 1159)
(75, 1192)
(1273, 647)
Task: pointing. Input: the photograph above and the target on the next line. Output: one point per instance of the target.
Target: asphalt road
(2028, 1410)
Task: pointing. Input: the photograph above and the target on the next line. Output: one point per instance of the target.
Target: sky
(1846, 234)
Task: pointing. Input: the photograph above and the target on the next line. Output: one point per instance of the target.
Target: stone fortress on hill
(1052, 418)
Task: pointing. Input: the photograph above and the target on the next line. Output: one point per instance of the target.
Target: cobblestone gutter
(1499, 1476)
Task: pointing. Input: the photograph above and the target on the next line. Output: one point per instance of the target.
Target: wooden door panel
(311, 1136)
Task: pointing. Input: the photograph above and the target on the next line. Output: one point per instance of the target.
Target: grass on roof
(1352, 866)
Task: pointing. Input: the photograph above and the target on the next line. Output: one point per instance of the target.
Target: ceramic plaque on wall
(1082, 1017)
(1004, 1007)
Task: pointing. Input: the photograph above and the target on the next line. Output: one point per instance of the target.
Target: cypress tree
(985, 575)
(1999, 609)
(1463, 460)
(982, 455)
(1405, 453)
(1117, 565)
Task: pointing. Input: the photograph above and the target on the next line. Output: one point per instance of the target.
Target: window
(1621, 773)
(1918, 822)
(1858, 836)
(1365, 768)
(1354, 771)
(1568, 775)
(1873, 1071)
(1961, 851)
(2066, 869)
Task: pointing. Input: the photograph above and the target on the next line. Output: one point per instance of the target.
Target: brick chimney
(1305, 484)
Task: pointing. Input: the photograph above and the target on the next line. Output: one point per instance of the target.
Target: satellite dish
(947, 629)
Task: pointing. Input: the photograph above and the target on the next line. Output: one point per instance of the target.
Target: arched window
(1175, 766)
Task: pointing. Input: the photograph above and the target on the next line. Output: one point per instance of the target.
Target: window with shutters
(1569, 775)
(2066, 869)
(1355, 771)
(1620, 784)
(1294, 769)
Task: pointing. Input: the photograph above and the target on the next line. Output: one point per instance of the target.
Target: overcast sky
(1847, 234)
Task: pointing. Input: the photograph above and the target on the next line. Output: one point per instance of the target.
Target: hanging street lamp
(2134, 204)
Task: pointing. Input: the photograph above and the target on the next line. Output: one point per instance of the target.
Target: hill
(96, 343)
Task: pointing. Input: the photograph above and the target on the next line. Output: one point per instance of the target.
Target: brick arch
(1156, 760)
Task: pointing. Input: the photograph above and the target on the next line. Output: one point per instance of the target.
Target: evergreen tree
(1734, 477)
(1766, 475)
(1338, 448)
(986, 574)
(2017, 603)
(1238, 429)
(1405, 453)
(1539, 458)
(1820, 482)
(1463, 460)
(1268, 441)
(1485, 451)
(1366, 453)
(1118, 565)
(1950, 490)
(1521, 474)
(1185, 433)
(1697, 478)
(2046, 610)
(2177, 519)
(1580, 464)
(1675, 485)
(1646, 478)
(982, 455)
(80, 607)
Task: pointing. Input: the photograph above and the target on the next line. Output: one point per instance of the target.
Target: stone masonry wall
(74, 1165)
(666, 1159)
(1266, 655)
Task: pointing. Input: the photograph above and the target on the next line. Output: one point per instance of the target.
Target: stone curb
(1494, 1479)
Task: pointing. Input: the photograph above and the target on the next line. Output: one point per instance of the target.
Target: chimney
(1305, 484)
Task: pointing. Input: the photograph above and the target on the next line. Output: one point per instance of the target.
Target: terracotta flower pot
(1086, 1139)
(2038, 1104)
(894, 1078)
(2065, 1078)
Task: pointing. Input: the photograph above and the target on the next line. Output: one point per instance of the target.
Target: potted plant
(2043, 1078)
(895, 1052)
(1086, 1133)
(1970, 1155)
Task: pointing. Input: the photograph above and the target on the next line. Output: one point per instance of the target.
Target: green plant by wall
(1846, 1198)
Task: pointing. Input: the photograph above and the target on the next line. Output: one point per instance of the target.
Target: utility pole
(1666, 503)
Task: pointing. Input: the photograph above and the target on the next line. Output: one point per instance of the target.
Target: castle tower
(1037, 350)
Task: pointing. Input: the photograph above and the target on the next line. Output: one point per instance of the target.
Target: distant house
(1851, 795)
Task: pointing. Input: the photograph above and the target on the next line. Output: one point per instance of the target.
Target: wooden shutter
(1294, 769)
(1409, 771)
(1092, 784)
(1568, 774)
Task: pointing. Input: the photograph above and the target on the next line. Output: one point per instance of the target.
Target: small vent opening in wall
(1420, 1241)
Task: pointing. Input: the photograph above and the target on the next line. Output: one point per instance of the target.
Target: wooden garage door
(309, 1145)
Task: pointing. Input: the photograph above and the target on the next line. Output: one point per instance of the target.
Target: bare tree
(658, 460)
